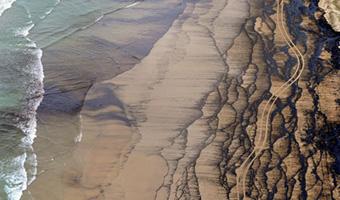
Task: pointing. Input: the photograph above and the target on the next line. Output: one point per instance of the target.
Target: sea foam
(18, 168)
(5, 4)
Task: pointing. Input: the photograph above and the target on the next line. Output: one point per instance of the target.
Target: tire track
(245, 166)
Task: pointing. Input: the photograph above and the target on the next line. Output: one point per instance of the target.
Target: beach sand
(179, 111)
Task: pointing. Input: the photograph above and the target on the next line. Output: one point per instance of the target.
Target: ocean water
(26, 28)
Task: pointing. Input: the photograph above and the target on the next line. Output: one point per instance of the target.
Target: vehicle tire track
(245, 166)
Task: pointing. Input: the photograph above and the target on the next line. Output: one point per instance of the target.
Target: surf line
(258, 149)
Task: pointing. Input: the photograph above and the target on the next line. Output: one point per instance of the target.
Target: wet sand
(179, 121)
(71, 66)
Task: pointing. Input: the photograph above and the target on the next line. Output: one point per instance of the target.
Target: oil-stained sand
(181, 123)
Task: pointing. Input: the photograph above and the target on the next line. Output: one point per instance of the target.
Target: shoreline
(182, 113)
(83, 150)
(69, 76)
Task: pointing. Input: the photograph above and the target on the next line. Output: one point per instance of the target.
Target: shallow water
(25, 28)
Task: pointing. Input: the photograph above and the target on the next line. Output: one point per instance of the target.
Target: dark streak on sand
(185, 114)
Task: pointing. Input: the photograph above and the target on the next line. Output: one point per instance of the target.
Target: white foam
(23, 167)
(24, 31)
(26, 173)
(38, 70)
(16, 177)
(5, 4)
(133, 4)
(79, 137)
(97, 20)
(49, 11)
(29, 127)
